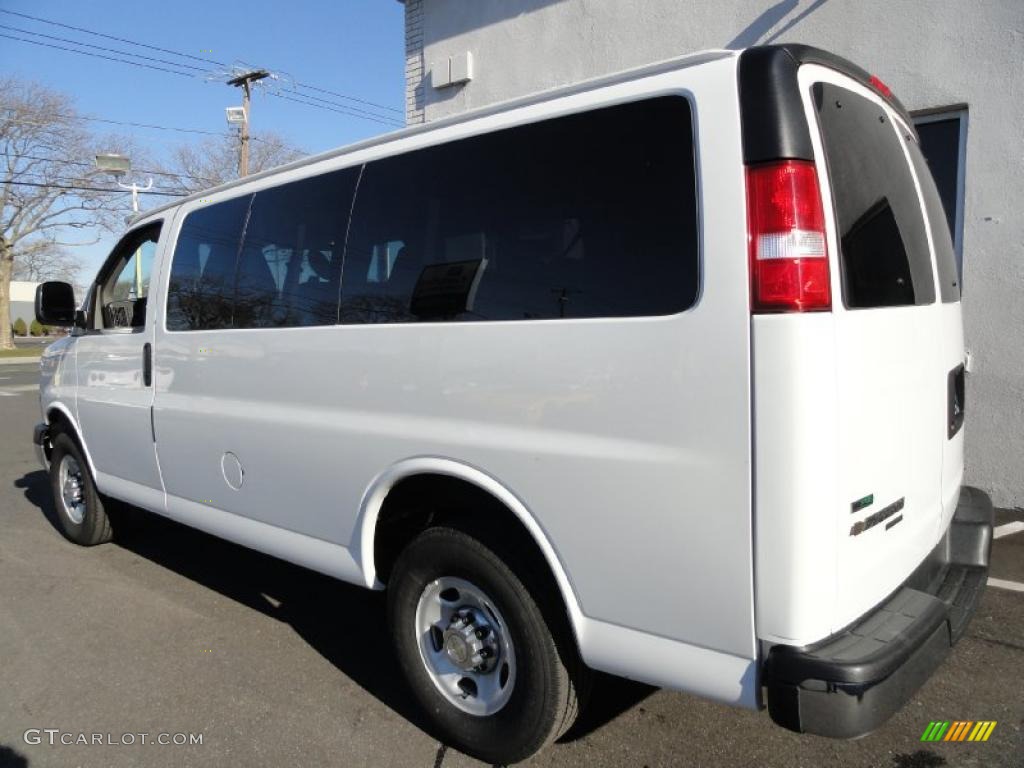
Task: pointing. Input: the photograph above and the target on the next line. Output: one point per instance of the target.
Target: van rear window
(884, 255)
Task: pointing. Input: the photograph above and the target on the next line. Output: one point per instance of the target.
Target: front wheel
(80, 510)
(477, 651)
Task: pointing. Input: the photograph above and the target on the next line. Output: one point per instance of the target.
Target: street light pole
(135, 209)
(135, 189)
(117, 166)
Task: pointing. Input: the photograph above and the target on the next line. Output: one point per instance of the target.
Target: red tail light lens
(786, 229)
(878, 85)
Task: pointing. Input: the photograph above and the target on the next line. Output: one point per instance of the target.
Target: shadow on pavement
(920, 759)
(11, 758)
(331, 616)
(36, 486)
(609, 698)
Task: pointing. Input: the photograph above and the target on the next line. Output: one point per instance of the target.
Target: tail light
(786, 229)
(878, 85)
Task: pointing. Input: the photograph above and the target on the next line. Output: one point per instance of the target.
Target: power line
(112, 37)
(93, 189)
(178, 53)
(350, 98)
(354, 111)
(91, 165)
(96, 55)
(115, 122)
(100, 48)
(39, 175)
(342, 110)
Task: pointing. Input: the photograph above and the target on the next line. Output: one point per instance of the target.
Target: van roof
(678, 62)
(766, 65)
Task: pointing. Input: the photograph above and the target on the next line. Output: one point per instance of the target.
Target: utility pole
(245, 81)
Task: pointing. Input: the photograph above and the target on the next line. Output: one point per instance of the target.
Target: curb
(27, 359)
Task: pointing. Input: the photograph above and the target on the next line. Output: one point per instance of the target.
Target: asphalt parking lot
(170, 631)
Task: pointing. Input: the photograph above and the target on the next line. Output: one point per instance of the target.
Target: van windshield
(884, 256)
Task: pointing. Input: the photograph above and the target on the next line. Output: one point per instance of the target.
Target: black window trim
(104, 273)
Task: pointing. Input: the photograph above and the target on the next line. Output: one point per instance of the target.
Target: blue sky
(352, 47)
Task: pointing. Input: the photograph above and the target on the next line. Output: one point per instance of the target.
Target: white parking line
(1005, 530)
(12, 391)
(1016, 586)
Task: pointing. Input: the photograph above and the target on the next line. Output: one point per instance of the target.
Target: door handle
(147, 364)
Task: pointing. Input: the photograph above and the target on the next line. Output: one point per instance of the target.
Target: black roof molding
(771, 110)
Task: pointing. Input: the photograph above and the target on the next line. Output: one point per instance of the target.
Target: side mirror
(55, 304)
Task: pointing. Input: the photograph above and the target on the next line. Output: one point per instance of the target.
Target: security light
(115, 164)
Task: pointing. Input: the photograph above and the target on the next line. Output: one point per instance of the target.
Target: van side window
(201, 288)
(589, 215)
(123, 287)
(883, 245)
(290, 265)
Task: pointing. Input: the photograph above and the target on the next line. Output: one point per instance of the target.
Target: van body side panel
(628, 440)
(952, 351)
(795, 441)
(666, 663)
(57, 378)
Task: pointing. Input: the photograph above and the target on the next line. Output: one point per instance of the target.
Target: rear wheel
(80, 509)
(477, 651)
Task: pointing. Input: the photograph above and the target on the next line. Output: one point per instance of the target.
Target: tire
(85, 522)
(541, 668)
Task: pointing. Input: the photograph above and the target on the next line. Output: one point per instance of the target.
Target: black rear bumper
(851, 683)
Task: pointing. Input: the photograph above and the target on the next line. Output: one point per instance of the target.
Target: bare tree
(44, 154)
(43, 259)
(215, 161)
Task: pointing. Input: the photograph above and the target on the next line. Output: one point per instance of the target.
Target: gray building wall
(22, 301)
(932, 53)
(414, 74)
(26, 310)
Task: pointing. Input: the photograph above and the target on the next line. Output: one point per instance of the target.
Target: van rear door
(897, 339)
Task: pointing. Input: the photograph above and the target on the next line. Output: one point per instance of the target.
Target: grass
(28, 352)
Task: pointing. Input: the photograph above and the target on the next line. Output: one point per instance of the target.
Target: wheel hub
(465, 645)
(72, 489)
(470, 643)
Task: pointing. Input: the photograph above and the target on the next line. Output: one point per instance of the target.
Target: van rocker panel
(851, 683)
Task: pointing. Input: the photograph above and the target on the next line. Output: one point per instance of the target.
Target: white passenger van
(660, 375)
